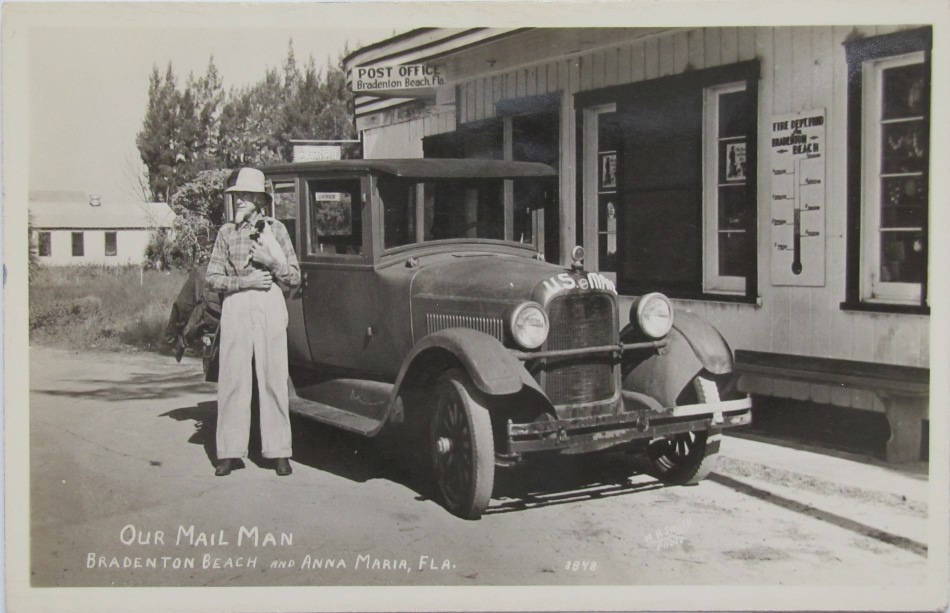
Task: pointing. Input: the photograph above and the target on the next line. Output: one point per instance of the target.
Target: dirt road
(123, 494)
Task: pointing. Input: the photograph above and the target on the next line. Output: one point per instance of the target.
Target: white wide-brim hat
(247, 180)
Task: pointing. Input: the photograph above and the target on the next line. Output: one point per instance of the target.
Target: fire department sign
(798, 199)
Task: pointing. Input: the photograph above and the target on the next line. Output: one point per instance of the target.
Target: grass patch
(103, 308)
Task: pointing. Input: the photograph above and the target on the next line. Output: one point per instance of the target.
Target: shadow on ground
(137, 386)
(542, 483)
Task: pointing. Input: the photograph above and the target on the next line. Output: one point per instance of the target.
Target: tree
(318, 107)
(156, 141)
(208, 94)
(188, 132)
(199, 210)
(249, 129)
(180, 131)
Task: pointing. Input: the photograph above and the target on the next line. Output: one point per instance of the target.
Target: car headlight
(529, 325)
(654, 314)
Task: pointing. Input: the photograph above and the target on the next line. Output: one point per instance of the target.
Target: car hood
(494, 278)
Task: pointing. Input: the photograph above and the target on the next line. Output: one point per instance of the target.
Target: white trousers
(253, 325)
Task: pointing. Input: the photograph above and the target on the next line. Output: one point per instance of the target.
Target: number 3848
(580, 565)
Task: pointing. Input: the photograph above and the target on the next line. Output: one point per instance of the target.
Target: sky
(88, 88)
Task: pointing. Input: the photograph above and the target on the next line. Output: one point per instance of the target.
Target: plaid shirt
(229, 256)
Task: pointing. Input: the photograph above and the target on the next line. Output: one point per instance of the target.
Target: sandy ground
(123, 494)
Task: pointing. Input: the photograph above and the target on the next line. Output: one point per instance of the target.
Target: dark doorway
(535, 138)
(660, 217)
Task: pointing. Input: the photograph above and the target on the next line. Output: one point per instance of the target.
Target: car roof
(424, 168)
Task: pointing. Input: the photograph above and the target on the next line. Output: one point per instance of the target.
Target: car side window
(335, 218)
(284, 193)
(399, 214)
(438, 210)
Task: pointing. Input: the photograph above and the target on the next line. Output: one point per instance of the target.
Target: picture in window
(608, 171)
(734, 162)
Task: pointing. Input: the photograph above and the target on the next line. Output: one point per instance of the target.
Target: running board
(356, 405)
(333, 416)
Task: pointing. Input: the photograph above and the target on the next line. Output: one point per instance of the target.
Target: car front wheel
(687, 458)
(463, 451)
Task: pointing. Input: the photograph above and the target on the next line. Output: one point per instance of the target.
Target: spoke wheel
(688, 458)
(463, 451)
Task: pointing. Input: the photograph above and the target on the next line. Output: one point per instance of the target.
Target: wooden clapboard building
(772, 179)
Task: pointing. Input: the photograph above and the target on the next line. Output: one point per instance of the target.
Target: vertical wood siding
(802, 68)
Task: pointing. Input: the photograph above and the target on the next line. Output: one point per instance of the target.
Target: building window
(111, 239)
(77, 244)
(601, 181)
(44, 244)
(888, 192)
(674, 160)
(726, 209)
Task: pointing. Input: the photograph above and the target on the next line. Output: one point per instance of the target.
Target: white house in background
(71, 228)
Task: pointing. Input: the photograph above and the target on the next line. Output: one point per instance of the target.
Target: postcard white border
(20, 18)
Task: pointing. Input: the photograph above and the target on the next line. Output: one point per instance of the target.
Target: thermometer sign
(798, 198)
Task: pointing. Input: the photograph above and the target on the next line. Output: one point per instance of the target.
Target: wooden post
(905, 415)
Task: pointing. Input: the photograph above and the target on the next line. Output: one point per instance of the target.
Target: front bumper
(583, 434)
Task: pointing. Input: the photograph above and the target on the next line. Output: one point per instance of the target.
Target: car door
(339, 287)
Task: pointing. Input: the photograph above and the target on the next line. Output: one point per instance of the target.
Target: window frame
(590, 157)
(713, 282)
(873, 290)
(306, 186)
(866, 59)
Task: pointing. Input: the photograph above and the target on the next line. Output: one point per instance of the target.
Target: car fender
(694, 345)
(492, 367)
(707, 343)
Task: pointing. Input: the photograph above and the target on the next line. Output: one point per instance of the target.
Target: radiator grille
(577, 321)
(489, 325)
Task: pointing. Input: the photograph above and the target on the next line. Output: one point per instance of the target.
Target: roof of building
(81, 215)
(426, 168)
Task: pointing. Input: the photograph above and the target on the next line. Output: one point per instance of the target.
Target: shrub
(100, 307)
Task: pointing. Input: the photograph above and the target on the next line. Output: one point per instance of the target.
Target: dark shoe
(283, 467)
(224, 467)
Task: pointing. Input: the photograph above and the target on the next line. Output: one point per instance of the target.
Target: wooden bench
(903, 390)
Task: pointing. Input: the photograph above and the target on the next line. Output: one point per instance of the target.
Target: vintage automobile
(420, 319)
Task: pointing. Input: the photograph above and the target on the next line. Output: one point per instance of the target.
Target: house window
(726, 209)
(111, 240)
(77, 244)
(44, 244)
(888, 199)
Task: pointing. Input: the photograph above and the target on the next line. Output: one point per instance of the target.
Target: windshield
(420, 211)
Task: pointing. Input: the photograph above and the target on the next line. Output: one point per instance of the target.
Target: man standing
(244, 268)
